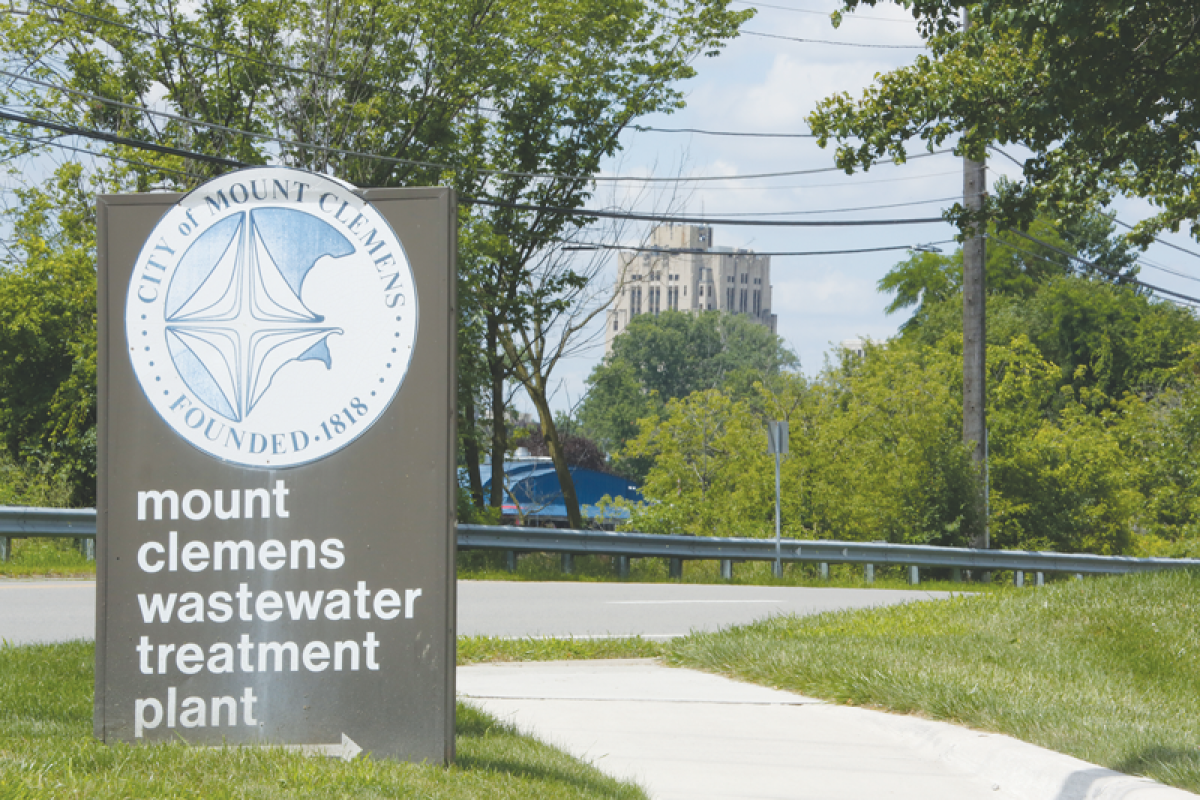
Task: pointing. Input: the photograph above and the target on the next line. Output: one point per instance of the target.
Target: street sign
(777, 437)
(275, 557)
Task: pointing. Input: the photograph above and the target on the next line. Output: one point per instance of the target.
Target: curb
(1018, 768)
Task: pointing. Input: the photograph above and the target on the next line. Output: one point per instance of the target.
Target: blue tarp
(533, 484)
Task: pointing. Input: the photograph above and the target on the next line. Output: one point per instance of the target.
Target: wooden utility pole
(975, 329)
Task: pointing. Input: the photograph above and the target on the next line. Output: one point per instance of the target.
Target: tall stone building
(681, 270)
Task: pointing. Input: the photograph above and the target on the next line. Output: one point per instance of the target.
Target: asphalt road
(49, 611)
(653, 610)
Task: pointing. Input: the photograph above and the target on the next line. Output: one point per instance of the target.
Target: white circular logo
(271, 317)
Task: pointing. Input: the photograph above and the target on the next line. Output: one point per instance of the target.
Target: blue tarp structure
(533, 485)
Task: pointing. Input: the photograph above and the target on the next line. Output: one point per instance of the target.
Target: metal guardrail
(641, 545)
(19, 522)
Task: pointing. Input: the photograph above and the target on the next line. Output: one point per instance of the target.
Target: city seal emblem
(271, 316)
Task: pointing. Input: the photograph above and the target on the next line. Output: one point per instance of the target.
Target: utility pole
(975, 329)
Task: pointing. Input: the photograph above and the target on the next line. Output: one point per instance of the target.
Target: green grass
(487, 565)
(50, 557)
(1105, 669)
(47, 751)
(480, 649)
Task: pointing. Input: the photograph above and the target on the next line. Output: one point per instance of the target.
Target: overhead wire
(465, 200)
(427, 164)
(837, 210)
(1092, 265)
(745, 32)
(686, 251)
(689, 220)
(83, 150)
(74, 130)
(1127, 226)
(175, 40)
(861, 17)
(702, 132)
(1124, 225)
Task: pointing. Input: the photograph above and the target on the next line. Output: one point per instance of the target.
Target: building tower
(681, 270)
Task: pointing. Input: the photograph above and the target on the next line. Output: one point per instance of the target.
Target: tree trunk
(565, 481)
(499, 424)
(471, 450)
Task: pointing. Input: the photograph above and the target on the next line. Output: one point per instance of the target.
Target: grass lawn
(46, 557)
(486, 565)
(47, 751)
(1105, 669)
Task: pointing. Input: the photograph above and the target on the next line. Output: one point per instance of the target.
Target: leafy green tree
(1162, 436)
(711, 474)
(1016, 267)
(1057, 483)
(1103, 94)
(513, 104)
(48, 332)
(670, 356)
(878, 453)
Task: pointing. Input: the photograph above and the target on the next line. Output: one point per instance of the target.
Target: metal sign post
(777, 444)
(276, 481)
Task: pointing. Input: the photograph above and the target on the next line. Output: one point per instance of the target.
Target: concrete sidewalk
(687, 735)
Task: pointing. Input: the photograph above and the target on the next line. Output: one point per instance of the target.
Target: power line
(1125, 225)
(574, 212)
(838, 210)
(135, 162)
(175, 40)
(863, 17)
(682, 220)
(686, 251)
(856, 183)
(745, 32)
(408, 162)
(72, 130)
(1168, 270)
(85, 151)
(647, 129)
(1091, 264)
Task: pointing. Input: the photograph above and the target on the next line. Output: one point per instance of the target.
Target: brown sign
(276, 482)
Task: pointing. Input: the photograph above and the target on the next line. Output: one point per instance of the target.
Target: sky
(762, 84)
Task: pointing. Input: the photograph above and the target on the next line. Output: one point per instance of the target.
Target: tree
(669, 356)
(48, 333)
(563, 302)
(711, 473)
(579, 451)
(514, 104)
(1059, 481)
(877, 452)
(1016, 266)
(1103, 94)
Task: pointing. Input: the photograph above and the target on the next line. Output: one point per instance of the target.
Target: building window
(729, 299)
(616, 326)
(742, 308)
(757, 301)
